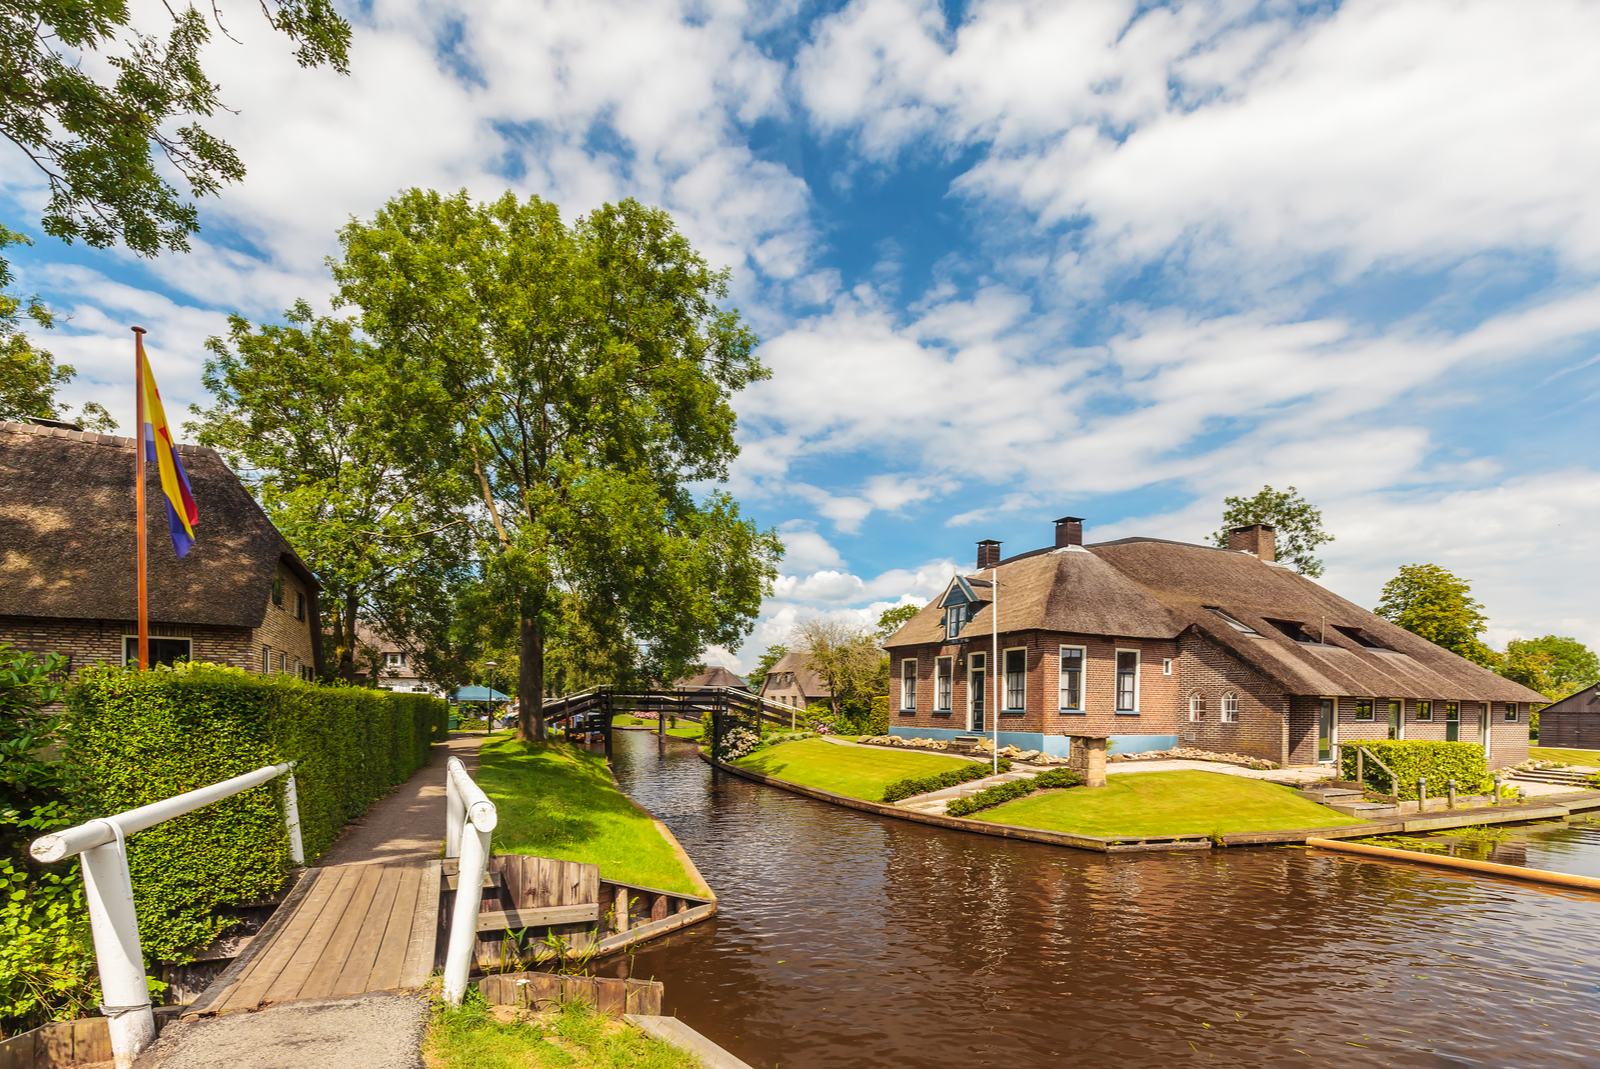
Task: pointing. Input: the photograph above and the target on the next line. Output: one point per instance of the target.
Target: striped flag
(162, 451)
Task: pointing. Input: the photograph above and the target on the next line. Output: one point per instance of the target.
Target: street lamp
(489, 720)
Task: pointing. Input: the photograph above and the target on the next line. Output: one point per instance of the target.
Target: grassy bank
(854, 771)
(478, 1037)
(686, 729)
(1570, 757)
(1168, 803)
(556, 800)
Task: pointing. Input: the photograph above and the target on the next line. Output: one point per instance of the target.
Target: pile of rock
(1189, 753)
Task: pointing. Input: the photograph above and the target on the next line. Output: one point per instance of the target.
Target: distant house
(1573, 722)
(791, 681)
(714, 676)
(241, 597)
(391, 663)
(1157, 643)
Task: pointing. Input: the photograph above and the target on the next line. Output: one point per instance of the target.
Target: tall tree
(30, 376)
(578, 378)
(1298, 522)
(846, 658)
(1429, 601)
(893, 619)
(301, 410)
(1553, 665)
(769, 657)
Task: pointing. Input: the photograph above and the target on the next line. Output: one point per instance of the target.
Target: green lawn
(555, 800)
(854, 771)
(1167, 803)
(686, 729)
(1571, 757)
(475, 1036)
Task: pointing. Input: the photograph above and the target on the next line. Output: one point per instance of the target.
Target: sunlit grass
(474, 1036)
(1565, 756)
(854, 771)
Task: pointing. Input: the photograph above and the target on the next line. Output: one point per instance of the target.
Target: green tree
(892, 620)
(578, 378)
(1298, 523)
(301, 410)
(29, 376)
(1553, 665)
(846, 659)
(1429, 601)
(769, 657)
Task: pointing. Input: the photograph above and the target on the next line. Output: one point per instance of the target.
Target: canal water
(847, 940)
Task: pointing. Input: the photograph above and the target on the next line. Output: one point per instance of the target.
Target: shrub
(131, 738)
(1005, 792)
(915, 785)
(1415, 758)
(878, 721)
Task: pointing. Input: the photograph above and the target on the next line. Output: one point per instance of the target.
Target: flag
(162, 451)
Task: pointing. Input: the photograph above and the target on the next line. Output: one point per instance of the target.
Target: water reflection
(849, 940)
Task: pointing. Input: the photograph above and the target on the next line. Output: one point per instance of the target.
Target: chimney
(1069, 531)
(988, 554)
(1259, 539)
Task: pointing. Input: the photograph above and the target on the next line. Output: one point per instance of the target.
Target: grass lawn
(476, 1036)
(855, 771)
(687, 729)
(1167, 803)
(1571, 757)
(555, 800)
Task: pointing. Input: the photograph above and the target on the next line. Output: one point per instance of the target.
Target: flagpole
(138, 494)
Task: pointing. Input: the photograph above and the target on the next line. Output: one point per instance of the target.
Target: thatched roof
(714, 676)
(67, 535)
(1152, 588)
(804, 675)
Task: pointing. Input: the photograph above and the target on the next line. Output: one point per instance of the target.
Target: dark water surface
(848, 940)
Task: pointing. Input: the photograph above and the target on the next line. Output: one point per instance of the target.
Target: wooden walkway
(344, 930)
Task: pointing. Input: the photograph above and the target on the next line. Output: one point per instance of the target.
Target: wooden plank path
(343, 930)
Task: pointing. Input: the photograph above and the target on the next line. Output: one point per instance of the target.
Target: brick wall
(95, 641)
(1508, 741)
(1263, 728)
(288, 637)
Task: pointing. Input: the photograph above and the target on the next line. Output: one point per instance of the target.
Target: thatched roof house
(242, 596)
(714, 676)
(1158, 643)
(793, 682)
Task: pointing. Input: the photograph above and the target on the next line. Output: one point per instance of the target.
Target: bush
(1415, 758)
(1005, 792)
(910, 788)
(130, 738)
(878, 721)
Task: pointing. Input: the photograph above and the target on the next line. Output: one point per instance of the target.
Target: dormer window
(1237, 625)
(955, 618)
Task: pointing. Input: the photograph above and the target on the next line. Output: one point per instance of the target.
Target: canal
(850, 940)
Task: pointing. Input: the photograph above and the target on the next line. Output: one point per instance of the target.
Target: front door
(1325, 730)
(976, 689)
(1452, 722)
(1396, 721)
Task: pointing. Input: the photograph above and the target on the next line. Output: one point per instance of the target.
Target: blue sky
(1009, 260)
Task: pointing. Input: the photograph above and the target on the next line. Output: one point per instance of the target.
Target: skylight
(1231, 622)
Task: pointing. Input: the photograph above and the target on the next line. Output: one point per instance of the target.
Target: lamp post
(489, 720)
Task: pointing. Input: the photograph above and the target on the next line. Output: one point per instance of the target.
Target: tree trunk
(530, 683)
(346, 637)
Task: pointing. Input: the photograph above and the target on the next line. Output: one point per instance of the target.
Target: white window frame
(1513, 713)
(944, 680)
(977, 662)
(1005, 681)
(1116, 671)
(266, 660)
(955, 618)
(1197, 707)
(1166, 666)
(908, 685)
(1230, 707)
(1061, 686)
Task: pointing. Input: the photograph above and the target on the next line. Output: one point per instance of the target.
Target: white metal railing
(108, 887)
(469, 819)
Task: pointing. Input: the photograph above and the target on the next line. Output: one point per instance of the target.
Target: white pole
(291, 807)
(999, 670)
(109, 892)
(455, 811)
(472, 835)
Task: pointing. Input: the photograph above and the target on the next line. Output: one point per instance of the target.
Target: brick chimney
(1069, 531)
(1259, 539)
(988, 554)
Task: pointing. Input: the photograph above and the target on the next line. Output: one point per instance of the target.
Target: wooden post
(1451, 784)
(1361, 767)
(138, 496)
(1422, 794)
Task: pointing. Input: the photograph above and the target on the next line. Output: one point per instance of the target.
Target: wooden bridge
(591, 711)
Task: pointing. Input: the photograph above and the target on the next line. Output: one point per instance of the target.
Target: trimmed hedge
(910, 788)
(878, 721)
(131, 738)
(1001, 793)
(1414, 758)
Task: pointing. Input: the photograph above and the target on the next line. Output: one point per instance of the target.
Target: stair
(1365, 810)
(1561, 777)
(1332, 796)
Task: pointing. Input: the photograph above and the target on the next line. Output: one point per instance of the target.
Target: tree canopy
(769, 657)
(577, 380)
(1553, 665)
(1429, 601)
(1298, 525)
(891, 620)
(846, 658)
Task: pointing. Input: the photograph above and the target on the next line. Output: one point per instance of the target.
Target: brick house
(1157, 644)
(241, 597)
(392, 664)
(791, 681)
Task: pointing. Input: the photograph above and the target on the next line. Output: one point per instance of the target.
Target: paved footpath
(363, 1032)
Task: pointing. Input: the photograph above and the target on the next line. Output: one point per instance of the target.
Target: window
(955, 618)
(277, 590)
(167, 651)
(1016, 679)
(1166, 666)
(1511, 707)
(307, 674)
(1072, 679)
(299, 606)
(941, 687)
(1231, 622)
(1452, 711)
(266, 660)
(1293, 629)
(283, 662)
(1197, 707)
(394, 660)
(1127, 681)
(1363, 708)
(1424, 710)
(1230, 708)
(1360, 638)
(908, 684)
(1397, 720)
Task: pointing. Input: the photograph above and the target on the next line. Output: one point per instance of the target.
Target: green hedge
(878, 721)
(1412, 759)
(1001, 793)
(910, 788)
(130, 738)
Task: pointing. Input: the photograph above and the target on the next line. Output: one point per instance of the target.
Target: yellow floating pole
(1563, 879)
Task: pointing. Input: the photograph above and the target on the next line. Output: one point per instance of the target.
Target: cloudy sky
(1009, 260)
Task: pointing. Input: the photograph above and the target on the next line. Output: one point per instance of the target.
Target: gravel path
(365, 1032)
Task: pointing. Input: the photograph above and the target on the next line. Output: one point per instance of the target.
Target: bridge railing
(469, 822)
(108, 889)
